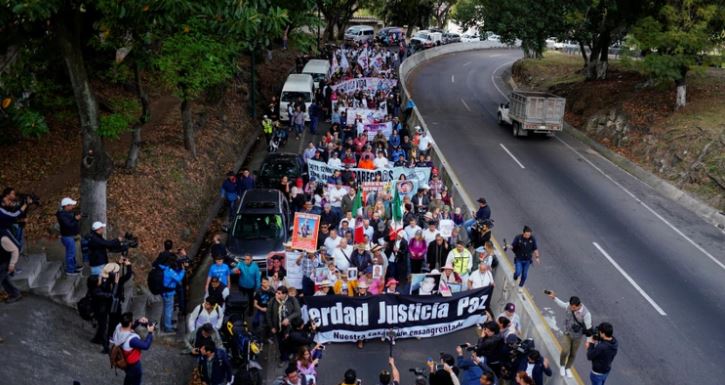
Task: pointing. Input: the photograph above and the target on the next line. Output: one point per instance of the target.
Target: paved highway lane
(637, 259)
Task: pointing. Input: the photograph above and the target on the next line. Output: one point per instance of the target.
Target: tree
(189, 63)
(337, 13)
(413, 13)
(595, 24)
(442, 11)
(677, 39)
(468, 14)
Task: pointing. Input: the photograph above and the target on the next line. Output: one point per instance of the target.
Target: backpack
(86, 246)
(85, 307)
(116, 357)
(155, 281)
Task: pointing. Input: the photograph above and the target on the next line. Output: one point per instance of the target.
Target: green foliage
(125, 113)
(413, 13)
(191, 62)
(677, 38)
(468, 14)
(30, 123)
(118, 73)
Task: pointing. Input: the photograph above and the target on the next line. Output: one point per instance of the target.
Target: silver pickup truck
(528, 111)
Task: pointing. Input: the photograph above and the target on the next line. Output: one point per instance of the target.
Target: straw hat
(109, 268)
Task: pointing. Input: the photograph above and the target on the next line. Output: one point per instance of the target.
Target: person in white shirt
(411, 229)
(342, 255)
(309, 152)
(367, 229)
(331, 273)
(335, 196)
(381, 161)
(481, 277)
(208, 312)
(430, 233)
(332, 242)
(334, 160)
(425, 142)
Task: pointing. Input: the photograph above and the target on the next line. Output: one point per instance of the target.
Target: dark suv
(260, 226)
(279, 164)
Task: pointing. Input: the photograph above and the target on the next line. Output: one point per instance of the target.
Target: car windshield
(258, 226)
(318, 77)
(279, 168)
(291, 96)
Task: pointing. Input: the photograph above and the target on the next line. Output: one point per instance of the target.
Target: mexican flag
(396, 208)
(357, 203)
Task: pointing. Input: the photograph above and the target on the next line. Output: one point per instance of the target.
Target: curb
(710, 214)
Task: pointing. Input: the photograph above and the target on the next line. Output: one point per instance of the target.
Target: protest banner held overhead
(345, 319)
(365, 84)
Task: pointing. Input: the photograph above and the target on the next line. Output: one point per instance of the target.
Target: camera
(547, 291)
(26, 197)
(129, 240)
(418, 372)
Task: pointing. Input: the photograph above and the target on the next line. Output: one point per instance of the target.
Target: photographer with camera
(601, 348)
(70, 227)
(577, 324)
(9, 255)
(471, 369)
(391, 377)
(106, 292)
(303, 335)
(443, 373)
(196, 339)
(131, 345)
(491, 345)
(13, 214)
(535, 366)
(98, 247)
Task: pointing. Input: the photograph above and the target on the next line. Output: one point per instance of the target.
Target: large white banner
(365, 84)
(321, 171)
(368, 116)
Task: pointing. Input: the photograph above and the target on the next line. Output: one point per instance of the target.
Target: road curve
(638, 260)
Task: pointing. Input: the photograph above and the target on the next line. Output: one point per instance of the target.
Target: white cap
(67, 202)
(98, 225)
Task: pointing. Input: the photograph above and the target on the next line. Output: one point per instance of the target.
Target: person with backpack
(207, 312)
(196, 339)
(173, 277)
(166, 256)
(105, 299)
(214, 365)
(127, 347)
(96, 246)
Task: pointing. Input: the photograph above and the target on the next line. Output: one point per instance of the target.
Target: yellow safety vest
(460, 261)
(267, 126)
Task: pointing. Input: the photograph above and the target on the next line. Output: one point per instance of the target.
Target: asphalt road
(581, 206)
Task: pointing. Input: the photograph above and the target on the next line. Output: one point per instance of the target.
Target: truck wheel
(499, 120)
(515, 128)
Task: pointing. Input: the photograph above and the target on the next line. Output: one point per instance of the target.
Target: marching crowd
(370, 242)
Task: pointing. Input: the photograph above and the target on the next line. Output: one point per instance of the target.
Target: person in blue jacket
(214, 365)
(471, 369)
(173, 276)
(250, 278)
(535, 366)
(229, 193)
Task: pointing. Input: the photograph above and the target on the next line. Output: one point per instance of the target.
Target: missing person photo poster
(305, 231)
(348, 319)
(424, 284)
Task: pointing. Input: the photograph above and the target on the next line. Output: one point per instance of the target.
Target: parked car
(295, 87)
(279, 164)
(426, 39)
(318, 69)
(467, 37)
(261, 225)
(390, 36)
(451, 37)
(359, 34)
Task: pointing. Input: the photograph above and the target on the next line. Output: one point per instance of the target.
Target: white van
(296, 86)
(360, 34)
(318, 68)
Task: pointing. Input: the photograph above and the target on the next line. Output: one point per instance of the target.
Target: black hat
(527, 229)
(350, 376)
(481, 200)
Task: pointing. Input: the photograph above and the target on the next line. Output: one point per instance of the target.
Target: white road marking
(511, 155)
(636, 199)
(466, 63)
(628, 278)
(465, 105)
(453, 79)
(494, 81)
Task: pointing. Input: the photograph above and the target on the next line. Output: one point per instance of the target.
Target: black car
(279, 164)
(261, 225)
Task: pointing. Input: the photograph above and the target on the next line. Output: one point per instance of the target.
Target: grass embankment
(636, 118)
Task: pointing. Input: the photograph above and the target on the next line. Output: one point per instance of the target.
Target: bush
(29, 122)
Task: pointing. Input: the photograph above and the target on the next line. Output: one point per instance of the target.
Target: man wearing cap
(70, 227)
(525, 250)
(98, 247)
(509, 311)
(461, 260)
